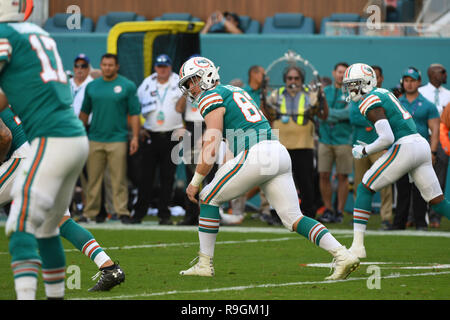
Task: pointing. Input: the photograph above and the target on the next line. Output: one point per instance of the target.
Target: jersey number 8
(248, 109)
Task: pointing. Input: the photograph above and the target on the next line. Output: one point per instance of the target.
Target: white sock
(55, 290)
(358, 238)
(101, 258)
(329, 242)
(207, 242)
(26, 288)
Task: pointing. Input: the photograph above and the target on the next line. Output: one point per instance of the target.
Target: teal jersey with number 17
(244, 124)
(400, 120)
(34, 81)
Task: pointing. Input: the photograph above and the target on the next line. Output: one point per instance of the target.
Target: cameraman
(296, 106)
(228, 22)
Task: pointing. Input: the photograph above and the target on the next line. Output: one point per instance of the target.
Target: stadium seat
(406, 10)
(177, 16)
(107, 21)
(58, 23)
(248, 25)
(339, 17)
(288, 23)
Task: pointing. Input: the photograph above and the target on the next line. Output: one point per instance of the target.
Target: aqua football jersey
(15, 126)
(244, 123)
(400, 120)
(35, 83)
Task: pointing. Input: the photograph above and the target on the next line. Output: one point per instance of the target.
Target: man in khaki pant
(364, 132)
(113, 102)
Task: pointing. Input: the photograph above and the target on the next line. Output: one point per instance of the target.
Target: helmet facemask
(354, 89)
(197, 82)
(359, 80)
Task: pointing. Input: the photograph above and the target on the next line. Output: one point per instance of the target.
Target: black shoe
(81, 219)
(125, 219)
(109, 278)
(135, 221)
(385, 225)
(276, 221)
(187, 222)
(100, 219)
(338, 217)
(166, 221)
(327, 217)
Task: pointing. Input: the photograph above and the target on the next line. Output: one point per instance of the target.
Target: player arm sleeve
(385, 137)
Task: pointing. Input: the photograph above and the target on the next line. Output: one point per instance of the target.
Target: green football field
(255, 261)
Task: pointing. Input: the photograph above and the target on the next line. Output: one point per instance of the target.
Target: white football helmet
(202, 71)
(15, 10)
(359, 79)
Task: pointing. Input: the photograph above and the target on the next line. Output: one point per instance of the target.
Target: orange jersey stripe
(367, 102)
(210, 103)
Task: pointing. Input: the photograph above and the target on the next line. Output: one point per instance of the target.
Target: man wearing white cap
(158, 95)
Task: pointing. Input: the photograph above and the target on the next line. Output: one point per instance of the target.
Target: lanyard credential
(161, 99)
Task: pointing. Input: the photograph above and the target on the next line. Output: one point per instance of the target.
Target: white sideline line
(185, 244)
(432, 266)
(268, 285)
(149, 225)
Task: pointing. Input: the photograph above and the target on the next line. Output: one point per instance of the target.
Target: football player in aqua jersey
(407, 151)
(35, 84)
(81, 238)
(258, 160)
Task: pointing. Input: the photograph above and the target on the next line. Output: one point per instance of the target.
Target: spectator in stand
(218, 22)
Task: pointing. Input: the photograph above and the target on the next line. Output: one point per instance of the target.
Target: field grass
(255, 261)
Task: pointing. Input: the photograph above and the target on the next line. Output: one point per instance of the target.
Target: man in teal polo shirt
(426, 117)
(335, 147)
(113, 102)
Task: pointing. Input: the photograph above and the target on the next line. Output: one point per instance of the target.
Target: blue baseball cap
(412, 72)
(82, 56)
(163, 60)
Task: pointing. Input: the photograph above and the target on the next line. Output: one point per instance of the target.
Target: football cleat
(344, 263)
(358, 251)
(109, 278)
(204, 267)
